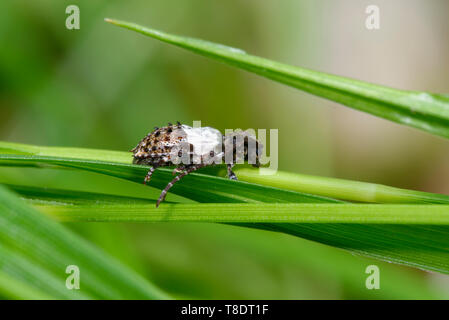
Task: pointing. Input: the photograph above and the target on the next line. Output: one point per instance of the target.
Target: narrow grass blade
(354, 191)
(256, 213)
(68, 205)
(422, 110)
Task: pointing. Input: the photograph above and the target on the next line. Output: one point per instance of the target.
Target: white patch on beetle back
(203, 139)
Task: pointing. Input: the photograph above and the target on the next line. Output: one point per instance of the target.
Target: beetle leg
(178, 169)
(149, 174)
(231, 174)
(176, 179)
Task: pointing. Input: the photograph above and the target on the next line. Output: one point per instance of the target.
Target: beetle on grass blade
(190, 149)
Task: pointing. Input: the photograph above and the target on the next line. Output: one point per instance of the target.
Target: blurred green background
(105, 87)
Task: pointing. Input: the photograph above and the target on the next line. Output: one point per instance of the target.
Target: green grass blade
(70, 205)
(404, 234)
(413, 235)
(199, 187)
(310, 258)
(35, 250)
(422, 110)
(418, 245)
(256, 213)
(355, 191)
(265, 246)
(12, 288)
(282, 187)
(65, 152)
(424, 247)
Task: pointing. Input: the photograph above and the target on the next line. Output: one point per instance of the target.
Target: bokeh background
(105, 87)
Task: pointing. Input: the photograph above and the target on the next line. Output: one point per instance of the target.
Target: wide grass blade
(395, 283)
(422, 110)
(311, 259)
(35, 252)
(413, 235)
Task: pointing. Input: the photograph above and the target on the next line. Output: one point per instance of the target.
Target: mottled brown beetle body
(155, 149)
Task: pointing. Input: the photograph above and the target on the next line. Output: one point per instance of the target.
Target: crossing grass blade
(422, 110)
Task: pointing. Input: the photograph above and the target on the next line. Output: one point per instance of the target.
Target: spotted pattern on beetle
(189, 149)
